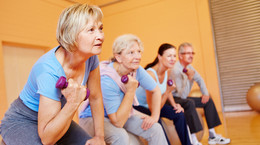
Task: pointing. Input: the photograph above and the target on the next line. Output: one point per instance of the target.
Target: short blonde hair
(72, 21)
(125, 42)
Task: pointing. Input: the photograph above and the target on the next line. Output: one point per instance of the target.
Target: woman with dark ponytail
(158, 69)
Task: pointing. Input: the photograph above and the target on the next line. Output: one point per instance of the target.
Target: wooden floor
(243, 128)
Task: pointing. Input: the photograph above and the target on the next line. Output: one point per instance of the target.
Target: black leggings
(178, 120)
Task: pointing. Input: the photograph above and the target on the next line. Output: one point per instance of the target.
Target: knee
(210, 100)
(156, 129)
(120, 136)
(190, 104)
(178, 116)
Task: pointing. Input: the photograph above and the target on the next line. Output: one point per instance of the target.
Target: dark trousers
(191, 115)
(20, 127)
(178, 120)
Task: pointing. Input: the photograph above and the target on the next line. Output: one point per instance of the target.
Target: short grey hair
(125, 42)
(72, 21)
(182, 46)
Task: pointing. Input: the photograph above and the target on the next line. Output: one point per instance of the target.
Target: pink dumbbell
(124, 79)
(62, 84)
(170, 82)
(184, 70)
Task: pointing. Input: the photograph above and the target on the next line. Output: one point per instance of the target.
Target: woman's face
(130, 58)
(91, 38)
(168, 58)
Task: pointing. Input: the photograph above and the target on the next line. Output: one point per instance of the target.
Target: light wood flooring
(243, 128)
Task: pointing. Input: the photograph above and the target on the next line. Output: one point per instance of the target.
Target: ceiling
(100, 3)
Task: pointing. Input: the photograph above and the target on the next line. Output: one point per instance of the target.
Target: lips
(98, 44)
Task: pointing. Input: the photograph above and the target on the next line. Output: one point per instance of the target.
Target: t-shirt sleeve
(46, 86)
(111, 94)
(94, 62)
(145, 80)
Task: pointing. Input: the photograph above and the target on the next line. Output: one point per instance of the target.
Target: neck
(121, 70)
(160, 69)
(184, 64)
(73, 64)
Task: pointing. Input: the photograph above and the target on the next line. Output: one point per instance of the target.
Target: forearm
(98, 116)
(156, 105)
(199, 80)
(171, 100)
(165, 97)
(59, 125)
(122, 114)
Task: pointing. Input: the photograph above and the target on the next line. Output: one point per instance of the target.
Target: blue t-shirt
(141, 94)
(43, 77)
(113, 95)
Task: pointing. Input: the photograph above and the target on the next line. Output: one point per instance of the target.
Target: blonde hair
(72, 21)
(124, 42)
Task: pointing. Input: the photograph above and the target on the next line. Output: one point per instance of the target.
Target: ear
(118, 58)
(180, 56)
(159, 57)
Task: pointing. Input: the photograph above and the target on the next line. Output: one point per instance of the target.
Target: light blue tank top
(141, 94)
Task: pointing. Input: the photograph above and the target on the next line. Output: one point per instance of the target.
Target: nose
(138, 55)
(100, 36)
(173, 58)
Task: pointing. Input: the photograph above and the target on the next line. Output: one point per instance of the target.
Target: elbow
(47, 142)
(117, 124)
(157, 92)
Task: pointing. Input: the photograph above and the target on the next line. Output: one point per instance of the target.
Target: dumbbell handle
(62, 84)
(124, 79)
(170, 82)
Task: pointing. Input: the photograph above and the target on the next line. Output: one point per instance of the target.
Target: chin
(97, 52)
(135, 67)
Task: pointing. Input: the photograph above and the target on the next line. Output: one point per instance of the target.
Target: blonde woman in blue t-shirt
(43, 114)
(119, 97)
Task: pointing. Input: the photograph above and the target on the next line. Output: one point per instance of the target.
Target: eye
(91, 29)
(101, 28)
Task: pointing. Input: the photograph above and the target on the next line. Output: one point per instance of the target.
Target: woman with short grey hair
(119, 96)
(43, 114)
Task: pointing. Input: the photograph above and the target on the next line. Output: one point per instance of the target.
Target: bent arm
(96, 102)
(53, 122)
(199, 80)
(154, 102)
(120, 117)
(168, 92)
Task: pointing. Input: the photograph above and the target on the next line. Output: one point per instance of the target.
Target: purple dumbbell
(62, 84)
(124, 79)
(170, 82)
(184, 70)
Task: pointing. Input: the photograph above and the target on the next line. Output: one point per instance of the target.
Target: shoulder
(108, 82)
(109, 86)
(152, 74)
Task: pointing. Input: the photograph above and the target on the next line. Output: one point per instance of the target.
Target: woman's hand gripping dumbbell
(170, 82)
(62, 84)
(124, 79)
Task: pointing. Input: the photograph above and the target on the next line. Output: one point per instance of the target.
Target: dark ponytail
(161, 50)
